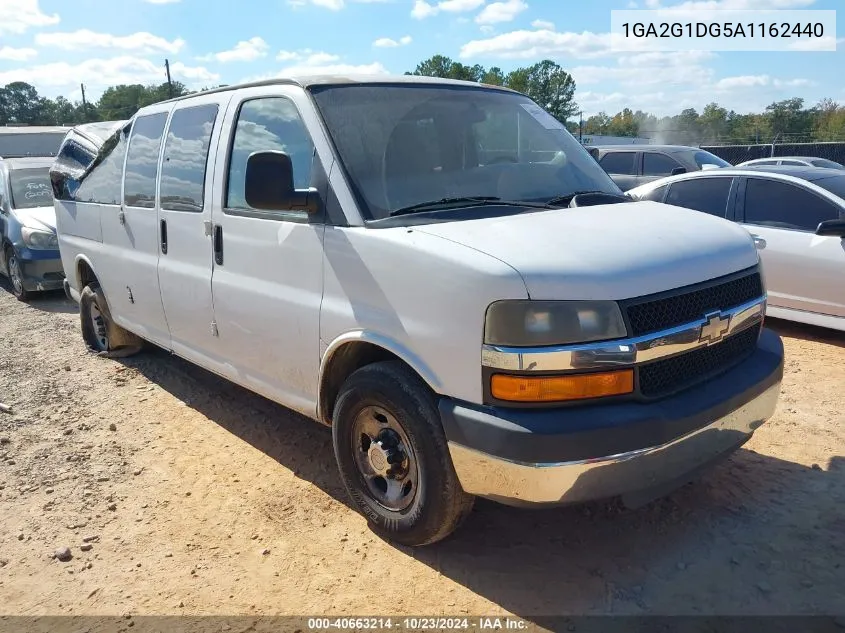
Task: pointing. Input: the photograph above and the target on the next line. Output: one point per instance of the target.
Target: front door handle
(164, 237)
(759, 242)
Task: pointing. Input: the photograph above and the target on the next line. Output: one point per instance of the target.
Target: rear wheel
(100, 332)
(393, 457)
(13, 266)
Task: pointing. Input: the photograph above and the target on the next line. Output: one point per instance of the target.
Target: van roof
(307, 81)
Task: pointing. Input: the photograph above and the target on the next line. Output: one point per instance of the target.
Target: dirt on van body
(176, 492)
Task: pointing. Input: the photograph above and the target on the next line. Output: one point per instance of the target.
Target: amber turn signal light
(562, 388)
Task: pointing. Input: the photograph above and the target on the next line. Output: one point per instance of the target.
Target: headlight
(526, 323)
(41, 240)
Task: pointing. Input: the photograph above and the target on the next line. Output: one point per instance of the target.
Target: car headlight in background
(39, 240)
(526, 323)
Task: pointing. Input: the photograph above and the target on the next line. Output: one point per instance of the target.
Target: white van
(441, 273)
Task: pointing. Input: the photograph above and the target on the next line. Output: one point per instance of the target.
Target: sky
(55, 45)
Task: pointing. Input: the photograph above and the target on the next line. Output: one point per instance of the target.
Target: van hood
(613, 251)
(40, 218)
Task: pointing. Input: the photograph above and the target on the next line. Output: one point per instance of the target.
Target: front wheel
(13, 266)
(393, 457)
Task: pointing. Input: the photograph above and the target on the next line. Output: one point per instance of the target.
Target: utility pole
(84, 103)
(169, 82)
(581, 126)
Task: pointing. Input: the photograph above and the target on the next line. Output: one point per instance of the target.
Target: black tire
(101, 333)
(439, 504)
(15, 276)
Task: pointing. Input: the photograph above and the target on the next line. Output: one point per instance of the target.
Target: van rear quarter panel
(426, 295)
(79, 233)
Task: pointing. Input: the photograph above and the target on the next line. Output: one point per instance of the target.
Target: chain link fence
(736, 154)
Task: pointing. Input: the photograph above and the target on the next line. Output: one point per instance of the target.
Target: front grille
(664, 377)
(650, 315)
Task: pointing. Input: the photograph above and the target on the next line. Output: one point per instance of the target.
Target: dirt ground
(180, 493)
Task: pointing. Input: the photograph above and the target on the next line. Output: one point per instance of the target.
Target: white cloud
(307, 57)
(758, 81)
(17, 54)
(498, 12)
(525, 44)
(98, 74)
(245, 51)
(543, 25)
(386, 42)
(18, 16)
(332, 5)
(423, 9)
(730, 5)
(375, 68)
(84, 40)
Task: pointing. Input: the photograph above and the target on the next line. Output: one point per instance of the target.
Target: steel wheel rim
(15, 274)
(385, 459)
(98, 323)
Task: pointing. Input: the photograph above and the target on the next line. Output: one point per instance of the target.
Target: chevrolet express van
(439, 272)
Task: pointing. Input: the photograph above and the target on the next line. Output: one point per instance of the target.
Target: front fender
(403, 352)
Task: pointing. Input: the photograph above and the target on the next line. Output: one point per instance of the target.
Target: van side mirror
(269, 184)
(678, 171)
(835, 228)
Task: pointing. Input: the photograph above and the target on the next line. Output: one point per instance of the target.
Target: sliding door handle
(218, 245)
(164, 237)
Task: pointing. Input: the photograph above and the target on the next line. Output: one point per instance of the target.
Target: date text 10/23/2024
(419, 624)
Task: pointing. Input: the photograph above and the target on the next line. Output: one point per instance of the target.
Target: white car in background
(793, 161)
(796, 216)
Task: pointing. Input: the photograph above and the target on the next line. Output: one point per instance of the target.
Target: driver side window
(266, 124)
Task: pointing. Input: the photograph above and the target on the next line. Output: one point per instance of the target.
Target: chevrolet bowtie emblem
(714, 328)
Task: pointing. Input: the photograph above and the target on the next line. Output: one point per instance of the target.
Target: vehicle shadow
(49, 301)
(755, 535)
(806, 332)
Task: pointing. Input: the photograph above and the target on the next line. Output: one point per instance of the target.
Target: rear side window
(786, 206)
(185, 158)
(658, 164)
(766, 162)
(142, 161)
(656, 194)
(619, 163)
(102, 184)
(794, 163)
(709, 195)
(703, 158)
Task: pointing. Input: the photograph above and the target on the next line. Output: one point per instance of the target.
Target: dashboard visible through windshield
(409, 144)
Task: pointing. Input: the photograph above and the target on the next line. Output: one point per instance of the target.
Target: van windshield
(406, 144)
(31, 188)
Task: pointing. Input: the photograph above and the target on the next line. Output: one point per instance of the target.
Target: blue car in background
(29, 250)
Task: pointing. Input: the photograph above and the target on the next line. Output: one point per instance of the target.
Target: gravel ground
(149, 486)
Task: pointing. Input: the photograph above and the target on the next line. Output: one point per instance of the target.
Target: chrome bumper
(660, 467)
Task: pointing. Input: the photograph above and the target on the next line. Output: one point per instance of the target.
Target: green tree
(21, 103)
(553, 89)
(493, 76)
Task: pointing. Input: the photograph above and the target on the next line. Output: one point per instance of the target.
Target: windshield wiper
(463, 202)
(560, 200)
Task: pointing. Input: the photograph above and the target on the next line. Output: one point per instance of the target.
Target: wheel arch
(83, 271)
(354, 350)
